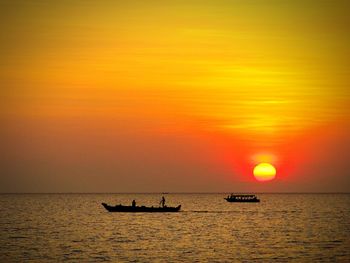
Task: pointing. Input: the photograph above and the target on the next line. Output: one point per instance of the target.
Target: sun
(264, 172)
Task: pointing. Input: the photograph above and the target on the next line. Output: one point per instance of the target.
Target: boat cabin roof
(242, 195)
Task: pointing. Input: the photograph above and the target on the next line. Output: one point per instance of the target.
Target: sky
(174, 96)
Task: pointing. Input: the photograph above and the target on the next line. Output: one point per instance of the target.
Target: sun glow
(264, 172)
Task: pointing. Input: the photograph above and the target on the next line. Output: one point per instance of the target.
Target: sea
(77, 228)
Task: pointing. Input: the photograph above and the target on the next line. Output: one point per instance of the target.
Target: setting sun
(264, 172)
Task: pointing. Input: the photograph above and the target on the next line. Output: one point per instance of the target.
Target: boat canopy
(242, 195)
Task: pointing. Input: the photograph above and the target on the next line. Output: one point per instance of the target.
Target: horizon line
(225, 192)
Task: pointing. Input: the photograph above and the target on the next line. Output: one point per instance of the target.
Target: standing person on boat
(162, 202)
(133, 203)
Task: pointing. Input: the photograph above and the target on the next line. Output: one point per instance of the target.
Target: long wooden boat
(143, 209)
(242, 198)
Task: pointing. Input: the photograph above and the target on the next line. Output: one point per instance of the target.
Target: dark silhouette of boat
(242, 198)
(144, 209)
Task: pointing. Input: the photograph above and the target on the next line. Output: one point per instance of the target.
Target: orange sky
(183, 96)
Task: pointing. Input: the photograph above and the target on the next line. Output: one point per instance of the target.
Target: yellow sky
(260, 70)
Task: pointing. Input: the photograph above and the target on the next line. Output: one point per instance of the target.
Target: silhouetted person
(162, 202)
(133, 203)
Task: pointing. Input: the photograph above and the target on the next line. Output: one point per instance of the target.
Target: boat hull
(140, 209)
(242, 201)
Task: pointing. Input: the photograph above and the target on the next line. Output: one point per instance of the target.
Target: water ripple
(76, 228)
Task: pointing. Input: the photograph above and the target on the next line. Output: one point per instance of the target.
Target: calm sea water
(76, 228)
